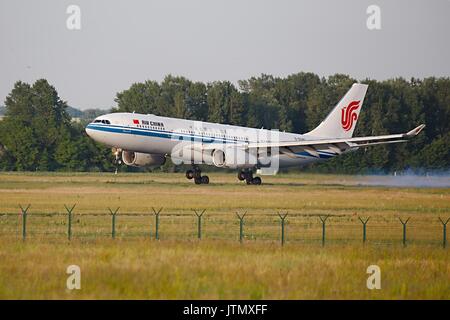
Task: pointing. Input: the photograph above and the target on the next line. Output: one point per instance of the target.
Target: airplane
(148, 140)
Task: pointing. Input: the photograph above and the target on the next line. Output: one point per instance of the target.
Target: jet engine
(233, 158)
(138, 159)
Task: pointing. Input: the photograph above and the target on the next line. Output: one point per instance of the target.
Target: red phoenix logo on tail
(349, 115)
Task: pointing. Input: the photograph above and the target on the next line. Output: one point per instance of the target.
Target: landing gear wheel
(201, 180)
(256, 181)
(189, 174)
(196, 174)
(205, 180)
(247, 175)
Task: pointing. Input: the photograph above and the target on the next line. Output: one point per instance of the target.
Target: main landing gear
(247, 175)
(196, 174)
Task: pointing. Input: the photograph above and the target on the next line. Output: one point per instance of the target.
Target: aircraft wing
(352, 142)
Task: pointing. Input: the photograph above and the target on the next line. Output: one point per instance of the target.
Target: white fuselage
(160, 135)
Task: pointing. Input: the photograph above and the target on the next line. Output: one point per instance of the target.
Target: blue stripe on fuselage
(158, 134)
(177, 136)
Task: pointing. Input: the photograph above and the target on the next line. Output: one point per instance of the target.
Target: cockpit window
(102, 121)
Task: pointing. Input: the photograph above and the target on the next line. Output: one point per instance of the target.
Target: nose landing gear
(196, 174)
(247, 175)
(117, 152)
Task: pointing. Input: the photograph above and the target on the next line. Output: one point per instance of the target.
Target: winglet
(414, 132)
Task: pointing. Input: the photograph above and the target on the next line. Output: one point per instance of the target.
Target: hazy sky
(121, 42)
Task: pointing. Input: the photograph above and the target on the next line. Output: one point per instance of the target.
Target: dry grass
(178, 266)
(220, 270)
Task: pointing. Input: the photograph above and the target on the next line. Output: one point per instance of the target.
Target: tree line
(38, 134)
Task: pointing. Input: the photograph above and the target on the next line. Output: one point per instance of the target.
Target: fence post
(444, 231)
(113, 222)
(364, 223)
(24, 220)
(404, 229)
(199, 222)
(69, 222)
(282, 217)
(157, 222)
(241, 226)
(323, 228)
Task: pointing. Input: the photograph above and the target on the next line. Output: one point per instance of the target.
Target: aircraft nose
(89, 131)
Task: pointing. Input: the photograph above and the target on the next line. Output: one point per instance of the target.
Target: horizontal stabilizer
(351, 142)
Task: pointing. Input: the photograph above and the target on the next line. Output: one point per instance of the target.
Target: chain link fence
(283, 227)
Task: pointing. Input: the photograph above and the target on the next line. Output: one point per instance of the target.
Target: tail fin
(341, 121)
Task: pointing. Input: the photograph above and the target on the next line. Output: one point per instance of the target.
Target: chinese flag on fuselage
(135, 121)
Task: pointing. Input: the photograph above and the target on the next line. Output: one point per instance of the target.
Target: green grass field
(179, 266)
